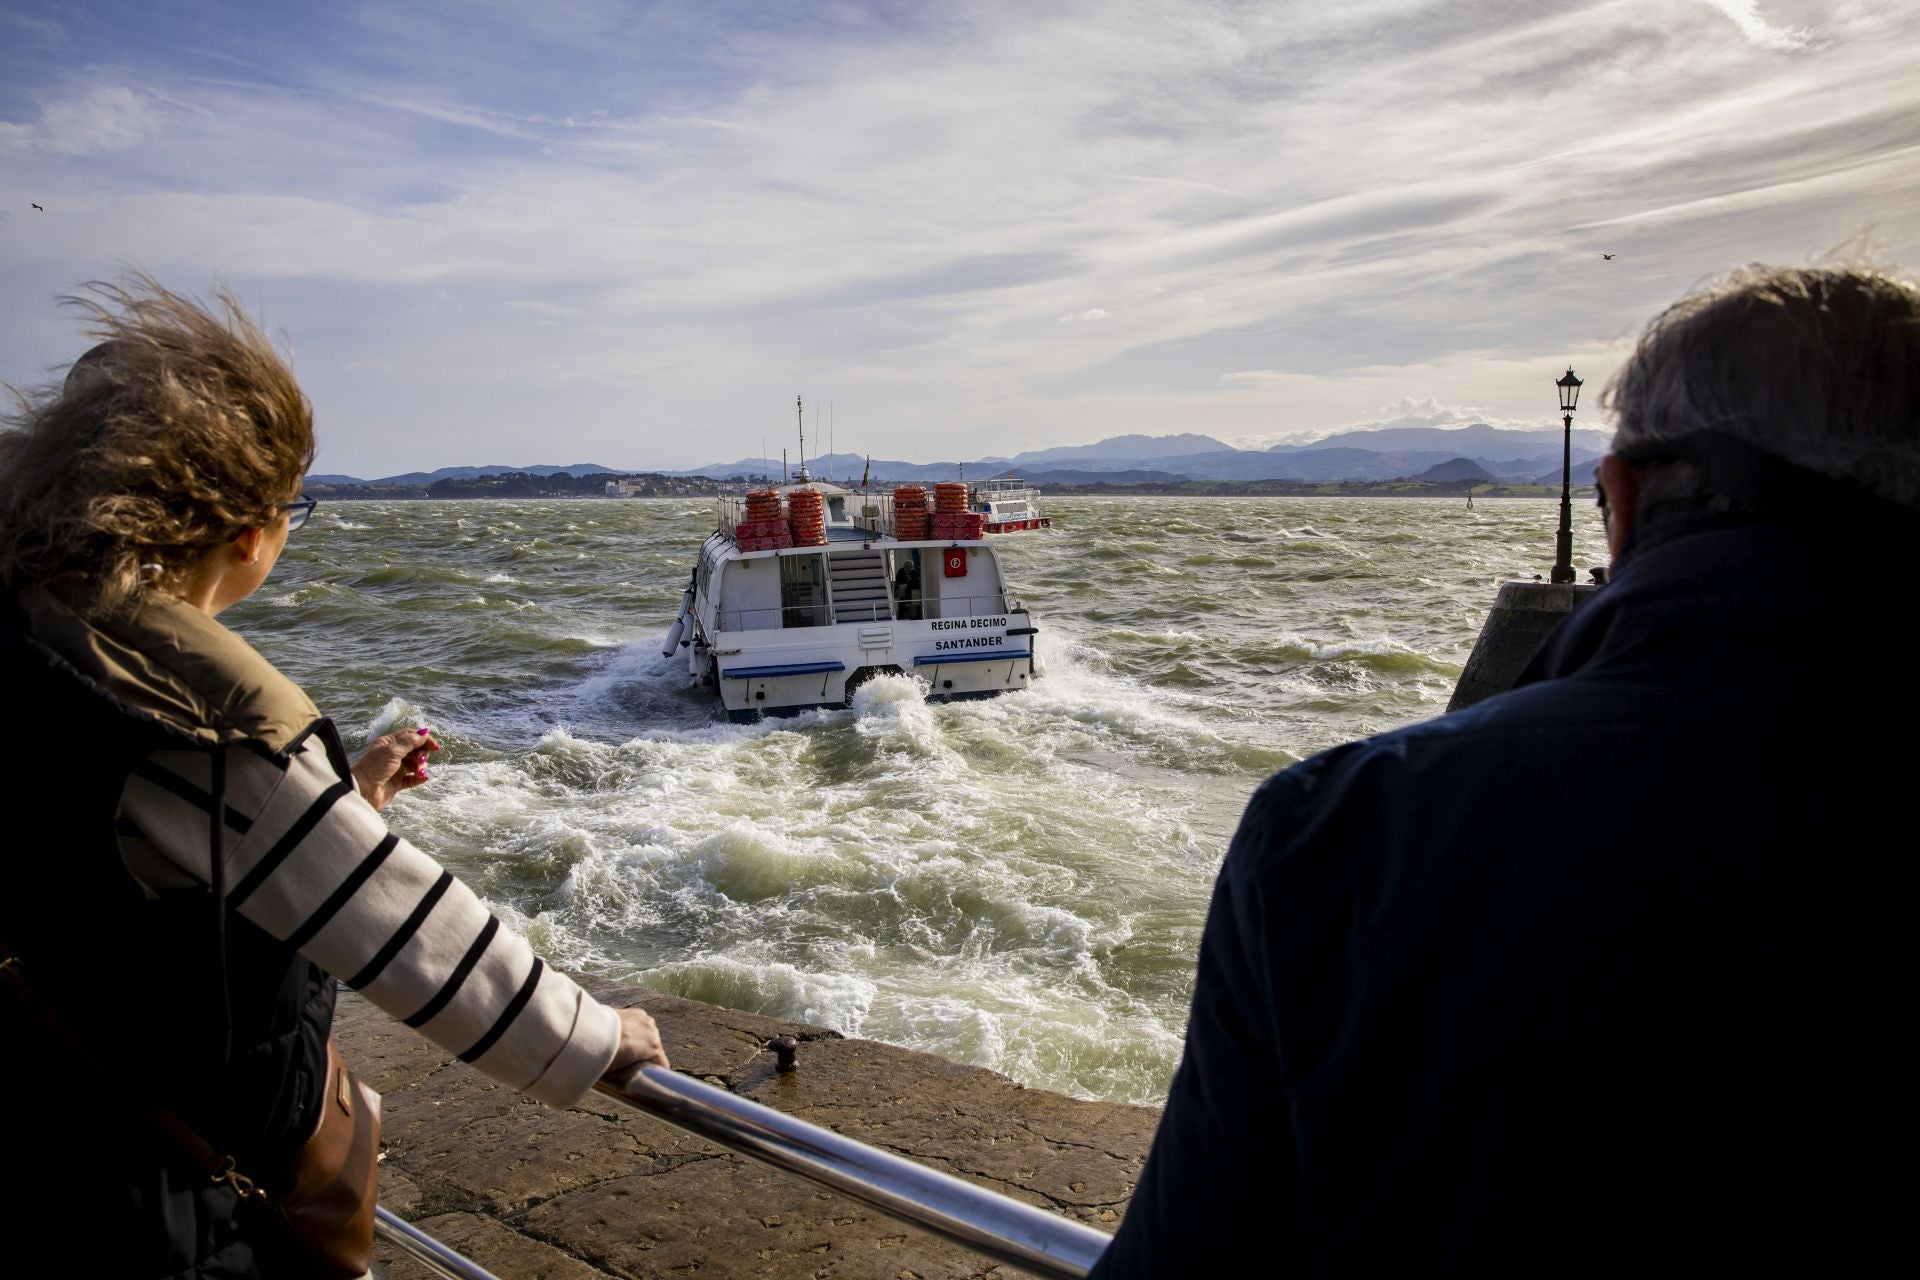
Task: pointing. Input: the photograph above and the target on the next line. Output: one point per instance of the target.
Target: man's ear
(1621, 481)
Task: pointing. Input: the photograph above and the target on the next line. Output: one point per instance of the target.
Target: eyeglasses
(297, 512)
(1600, 500)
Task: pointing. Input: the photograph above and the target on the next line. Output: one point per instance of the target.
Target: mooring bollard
(786, 1049)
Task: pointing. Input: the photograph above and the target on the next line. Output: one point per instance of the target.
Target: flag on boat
(867, 473)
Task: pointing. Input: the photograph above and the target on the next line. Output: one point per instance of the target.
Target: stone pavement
(604, 1190)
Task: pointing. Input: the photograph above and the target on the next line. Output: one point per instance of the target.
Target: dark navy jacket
(1602, 974)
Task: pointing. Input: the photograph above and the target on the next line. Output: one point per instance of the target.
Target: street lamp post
(1563, 540)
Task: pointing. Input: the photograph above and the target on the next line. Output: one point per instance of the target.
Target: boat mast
(800, 475)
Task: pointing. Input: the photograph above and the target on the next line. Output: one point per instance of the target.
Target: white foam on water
(776, 988)
(504, 602)
(818, 888)
(393, 712)
(296, 598)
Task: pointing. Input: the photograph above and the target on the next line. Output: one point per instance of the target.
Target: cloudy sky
(631, 233)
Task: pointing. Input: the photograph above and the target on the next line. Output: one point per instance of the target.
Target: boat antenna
(829, 439)
(783, 466)
(801, 409)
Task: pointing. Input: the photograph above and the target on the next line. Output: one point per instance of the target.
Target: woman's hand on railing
(639, 1046)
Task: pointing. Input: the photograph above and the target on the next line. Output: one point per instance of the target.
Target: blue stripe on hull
(994, 656)
(790, 669)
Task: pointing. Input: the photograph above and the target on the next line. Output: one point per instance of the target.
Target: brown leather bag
(326, 1196)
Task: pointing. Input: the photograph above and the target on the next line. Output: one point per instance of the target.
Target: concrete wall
(1524, 614)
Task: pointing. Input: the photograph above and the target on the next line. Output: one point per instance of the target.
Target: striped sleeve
(312, 863)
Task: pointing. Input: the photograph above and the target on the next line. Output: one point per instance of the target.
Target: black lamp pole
(1563, 540)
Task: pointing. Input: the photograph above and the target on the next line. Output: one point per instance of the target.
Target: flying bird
(1607, 256)
(36, 206)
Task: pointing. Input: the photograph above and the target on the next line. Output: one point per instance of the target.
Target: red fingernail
(421, 732)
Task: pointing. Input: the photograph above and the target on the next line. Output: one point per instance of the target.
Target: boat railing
(993, 1225)
(872, 512)
(749, 619)
(947, 606)
(806, 617)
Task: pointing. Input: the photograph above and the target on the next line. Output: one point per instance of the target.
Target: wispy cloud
(1753, 25)
(96, 121)
(40, 33)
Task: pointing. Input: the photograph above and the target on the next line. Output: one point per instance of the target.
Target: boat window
(803, 591)
(837, 510)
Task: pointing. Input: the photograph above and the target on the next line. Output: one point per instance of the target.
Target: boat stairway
(858, 581)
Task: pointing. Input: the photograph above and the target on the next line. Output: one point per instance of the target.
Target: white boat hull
(771, 674)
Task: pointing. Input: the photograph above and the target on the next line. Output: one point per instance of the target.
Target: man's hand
(639, 1045)
(392, 763)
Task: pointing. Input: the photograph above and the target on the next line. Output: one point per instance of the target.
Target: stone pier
(603, 1190)
(1524, 614)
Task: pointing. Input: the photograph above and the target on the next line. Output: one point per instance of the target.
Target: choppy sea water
(1018, 883)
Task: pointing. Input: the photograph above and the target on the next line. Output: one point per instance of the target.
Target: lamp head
(1569, 391)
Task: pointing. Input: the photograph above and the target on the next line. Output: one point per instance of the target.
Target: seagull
(1607, 256)
(37, 206)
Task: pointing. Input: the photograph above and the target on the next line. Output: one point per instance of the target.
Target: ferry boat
(1009, 504)
(806, 591)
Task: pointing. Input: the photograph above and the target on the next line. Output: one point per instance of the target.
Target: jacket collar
(1732, 592)
(169, 662)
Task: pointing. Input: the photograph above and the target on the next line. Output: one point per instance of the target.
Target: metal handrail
(987, 1222)
(424, 1249)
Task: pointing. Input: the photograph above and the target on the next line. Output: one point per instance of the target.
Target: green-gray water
(1017, 883)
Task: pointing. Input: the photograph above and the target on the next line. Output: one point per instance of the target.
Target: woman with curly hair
(210, 861)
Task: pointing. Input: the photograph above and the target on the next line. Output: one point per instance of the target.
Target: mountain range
(1388, 453)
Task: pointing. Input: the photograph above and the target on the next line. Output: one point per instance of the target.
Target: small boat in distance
(806, 591)
(1009, 504)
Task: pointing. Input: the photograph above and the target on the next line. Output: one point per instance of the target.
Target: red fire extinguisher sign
(956, 563)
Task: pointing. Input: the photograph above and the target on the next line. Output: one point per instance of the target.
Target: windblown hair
(182, 429)
(1819, 367)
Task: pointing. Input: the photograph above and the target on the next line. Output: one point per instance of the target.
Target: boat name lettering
(967, 624)
(968, 642)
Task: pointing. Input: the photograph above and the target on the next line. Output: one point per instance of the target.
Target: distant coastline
(522, 484)
(1313, 489)
(649, 485)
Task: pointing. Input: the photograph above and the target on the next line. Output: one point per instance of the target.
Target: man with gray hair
(1601, 974)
